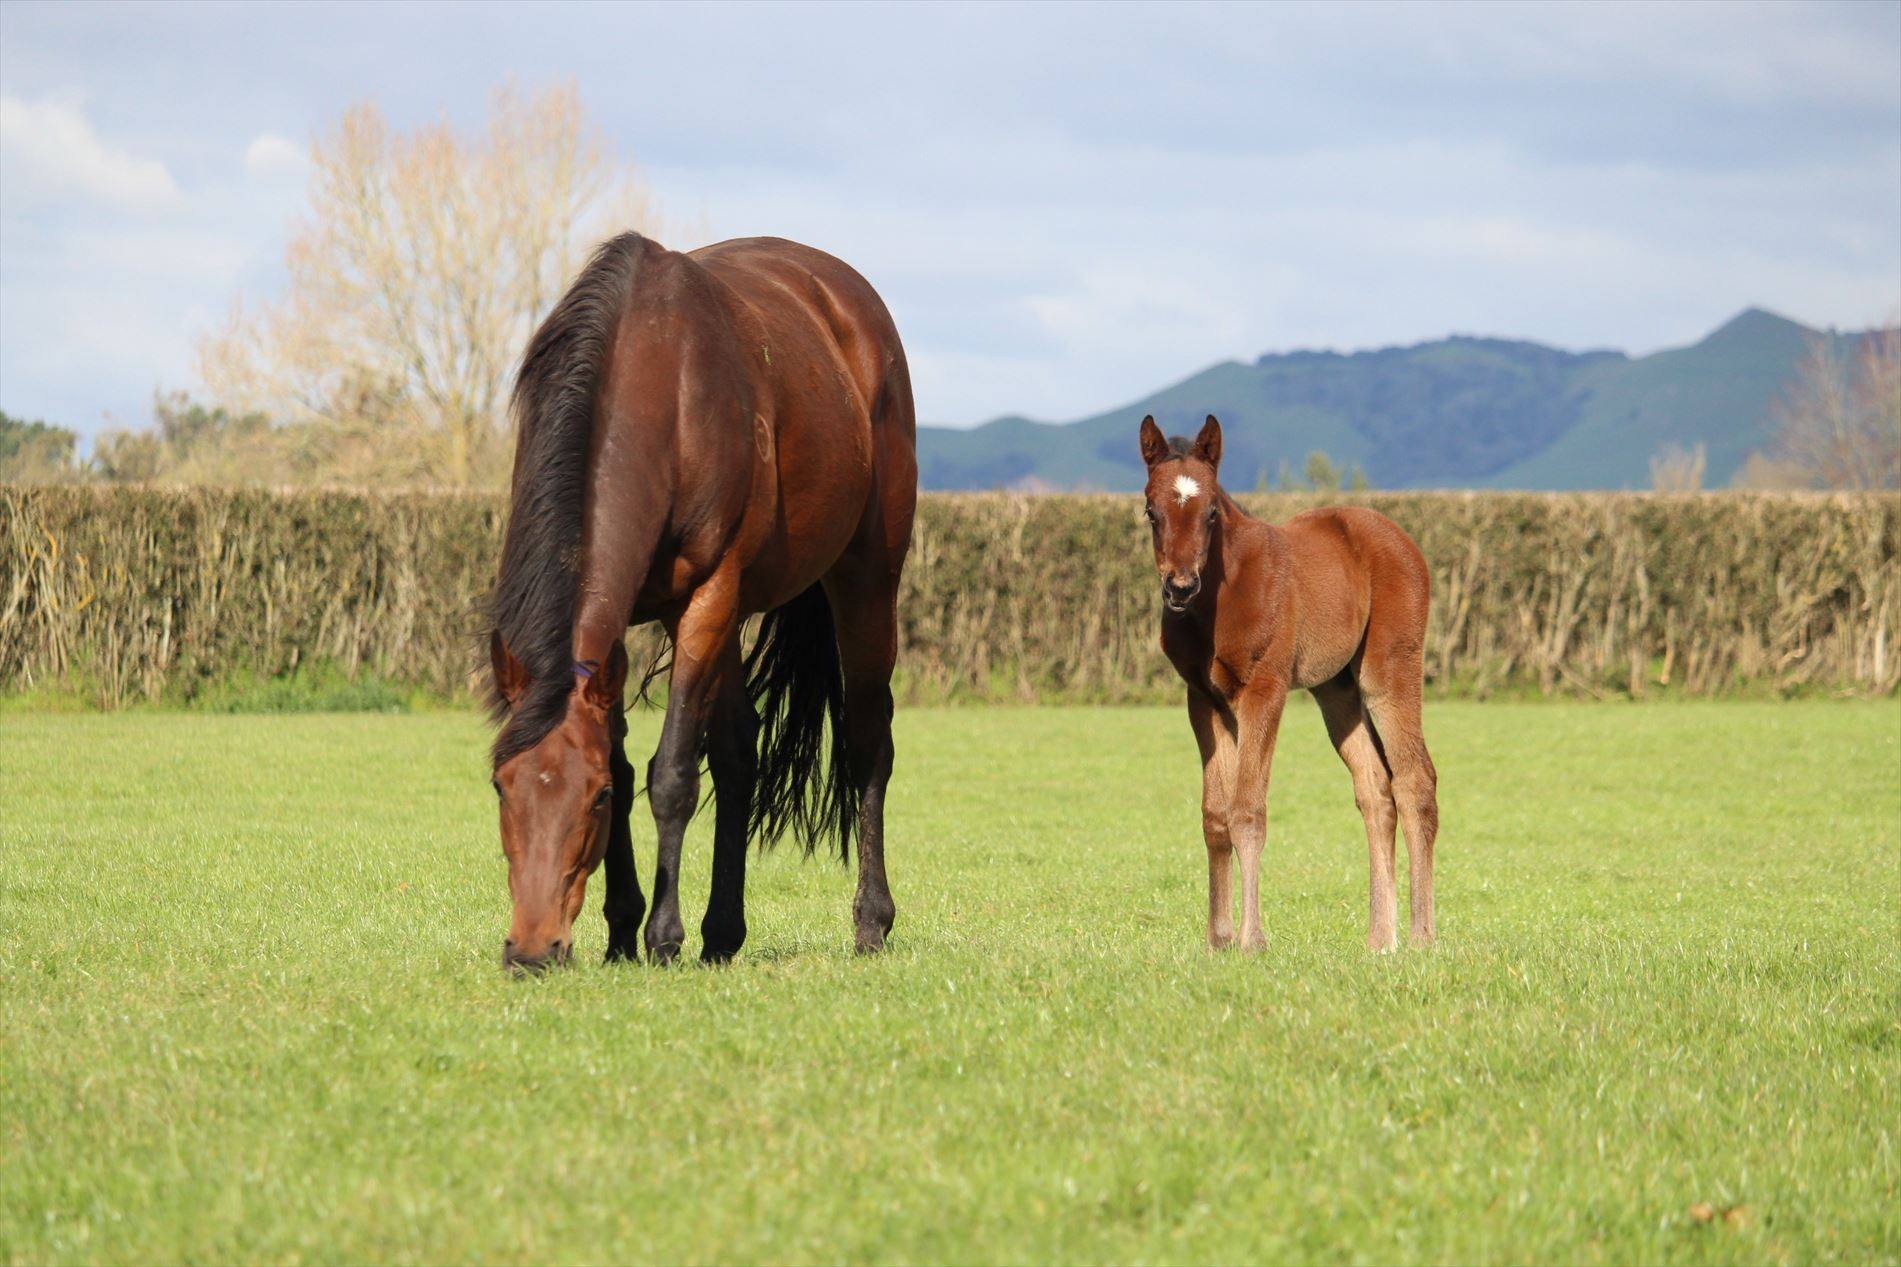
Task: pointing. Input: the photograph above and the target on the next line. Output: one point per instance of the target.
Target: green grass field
(251, 1008)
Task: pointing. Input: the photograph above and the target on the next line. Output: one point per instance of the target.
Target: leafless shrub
(129, 593)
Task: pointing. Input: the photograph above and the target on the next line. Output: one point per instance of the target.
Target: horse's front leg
(732, 752)
(1215, 735)
(703, 639)
(625, 905)
(1257, 713)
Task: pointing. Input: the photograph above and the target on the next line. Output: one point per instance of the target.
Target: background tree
(1675, 469)
(1321, 474)
(415, 279)
(192, 443)
(33, 452)
(1840, 419)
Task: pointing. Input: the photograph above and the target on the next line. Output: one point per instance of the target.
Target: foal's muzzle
(522, 964)
(1177, 593)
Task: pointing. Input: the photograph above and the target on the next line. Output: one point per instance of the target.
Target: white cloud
(50, 147)
(271, 157)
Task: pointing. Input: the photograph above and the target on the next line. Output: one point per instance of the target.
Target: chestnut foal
(1333, 601)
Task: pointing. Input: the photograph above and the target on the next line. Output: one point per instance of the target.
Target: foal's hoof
(622, 950)
(870, 941)
(663, 954)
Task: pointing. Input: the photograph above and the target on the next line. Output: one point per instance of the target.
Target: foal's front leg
(1257, 714)
(1214, 733)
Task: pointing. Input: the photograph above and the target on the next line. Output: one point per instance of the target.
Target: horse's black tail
(798, 689)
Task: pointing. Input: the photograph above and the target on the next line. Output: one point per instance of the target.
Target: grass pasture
(250, 1007)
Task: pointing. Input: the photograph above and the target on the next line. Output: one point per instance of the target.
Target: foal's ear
(511, 678)
(605, 687)
(1154, 443)
(1208, 442)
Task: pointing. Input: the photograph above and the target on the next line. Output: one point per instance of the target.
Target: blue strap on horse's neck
(586, 668)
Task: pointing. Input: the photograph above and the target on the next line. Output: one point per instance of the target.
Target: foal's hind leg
(1391, 686)
(1353, 739)
(732, 753)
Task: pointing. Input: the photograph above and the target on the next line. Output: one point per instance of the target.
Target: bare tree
(1840, 419)
(1762, 473)
(416, 278)
(1675, 469)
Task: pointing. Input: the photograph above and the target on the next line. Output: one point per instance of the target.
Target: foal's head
(556, 795)
(1184, 506)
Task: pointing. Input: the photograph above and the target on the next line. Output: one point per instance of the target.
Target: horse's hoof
(663, 954)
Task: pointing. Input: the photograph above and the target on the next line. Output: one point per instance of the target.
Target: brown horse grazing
(1333, 602)
(701, 437)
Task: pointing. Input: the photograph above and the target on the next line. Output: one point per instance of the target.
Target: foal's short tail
(797, 687)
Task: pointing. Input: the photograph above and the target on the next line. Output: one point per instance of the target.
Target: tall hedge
(135, 593)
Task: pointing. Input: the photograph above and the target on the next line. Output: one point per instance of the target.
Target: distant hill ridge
(1459, 412)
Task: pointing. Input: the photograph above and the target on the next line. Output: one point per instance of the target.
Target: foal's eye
(1148, 513)
(497, 785)
(601, 799)
(1214, 513)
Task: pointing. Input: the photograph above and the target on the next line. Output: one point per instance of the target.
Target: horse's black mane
(532, 604)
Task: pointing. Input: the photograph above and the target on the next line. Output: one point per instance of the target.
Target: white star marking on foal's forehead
(1184, 489)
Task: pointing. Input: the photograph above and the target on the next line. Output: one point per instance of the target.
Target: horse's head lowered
(1184, 506)
(556, 796)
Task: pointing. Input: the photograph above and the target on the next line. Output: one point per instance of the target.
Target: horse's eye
(1148, 512)
(606, 794)
(1213, 514)
(497, 785)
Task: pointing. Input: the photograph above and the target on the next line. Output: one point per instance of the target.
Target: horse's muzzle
(521, 963)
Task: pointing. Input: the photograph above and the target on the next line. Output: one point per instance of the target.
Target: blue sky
(1065, 206)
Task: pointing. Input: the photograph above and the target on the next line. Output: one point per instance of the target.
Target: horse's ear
(511, 679)
(1208, 442)
(606, 686)
(1154, 443)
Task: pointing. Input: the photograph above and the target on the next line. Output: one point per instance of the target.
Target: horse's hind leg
(864, 612)
(1391, 684)
(1354, 740)
(624, 904)
(732, 752)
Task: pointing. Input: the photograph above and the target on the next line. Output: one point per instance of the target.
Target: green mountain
(1458, 412)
